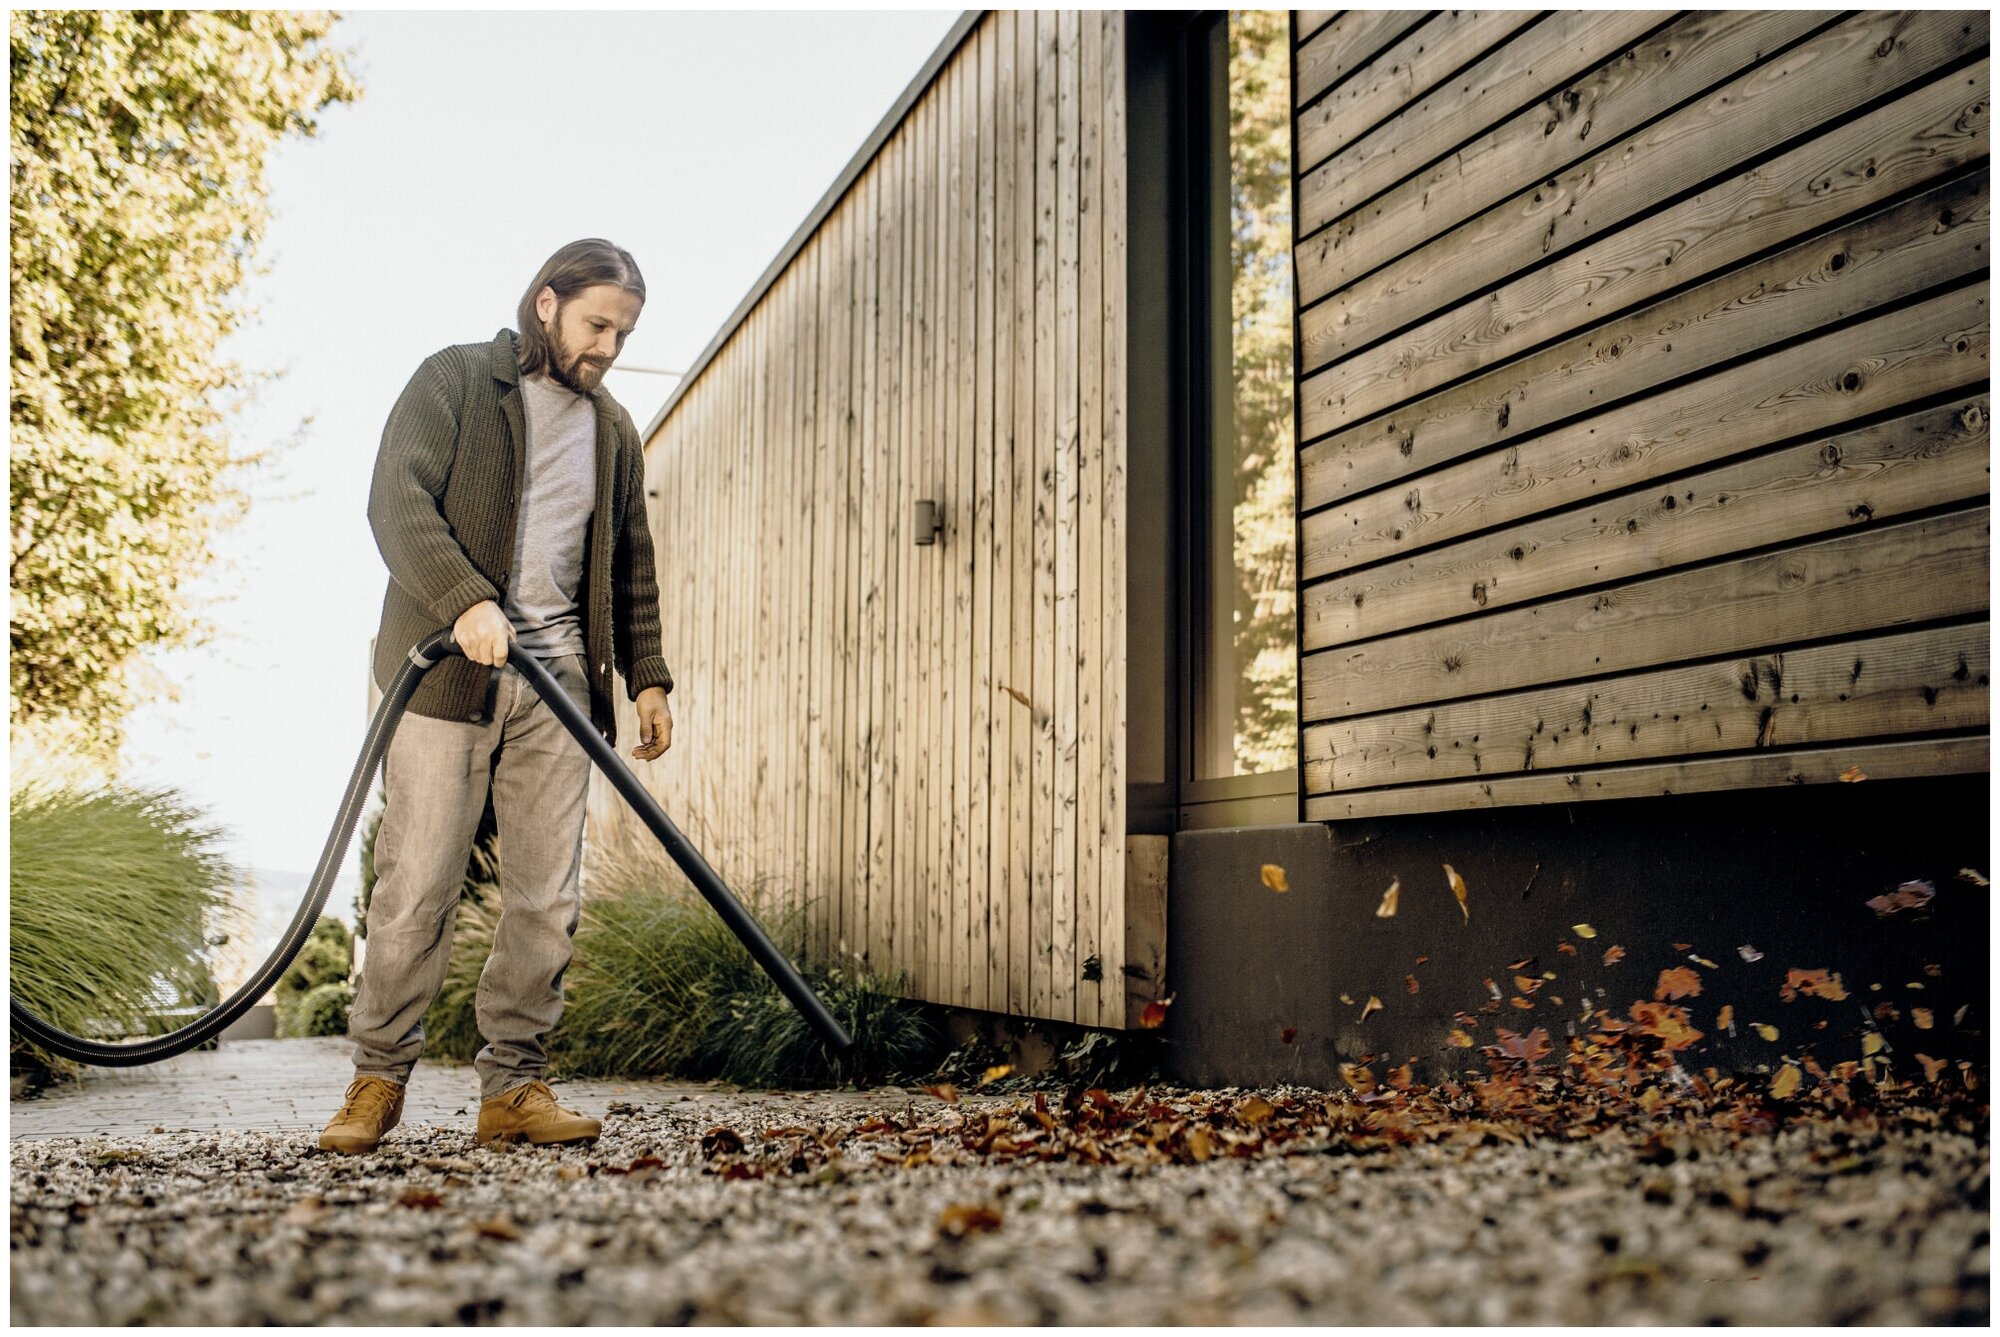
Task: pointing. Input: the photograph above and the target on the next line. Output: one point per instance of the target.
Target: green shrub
(322, 1009)
(113, 890)
(326, 961)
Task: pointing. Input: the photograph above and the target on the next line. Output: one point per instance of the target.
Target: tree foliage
(1260, 206)
(138, 145)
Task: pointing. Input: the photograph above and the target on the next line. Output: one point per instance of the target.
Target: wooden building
(1643, 365)
(1629, 439)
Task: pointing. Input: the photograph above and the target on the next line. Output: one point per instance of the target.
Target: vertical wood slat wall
(920, 748)
(1643, 400)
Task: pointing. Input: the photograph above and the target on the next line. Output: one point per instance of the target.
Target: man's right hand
(483, 631)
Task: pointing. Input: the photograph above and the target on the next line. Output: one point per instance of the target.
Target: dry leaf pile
(1621, 1080)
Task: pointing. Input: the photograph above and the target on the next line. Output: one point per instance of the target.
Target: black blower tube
(381, 729)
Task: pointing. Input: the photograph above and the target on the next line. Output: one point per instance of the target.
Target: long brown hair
(579, 265)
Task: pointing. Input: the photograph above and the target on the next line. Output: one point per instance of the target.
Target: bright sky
(698, 141)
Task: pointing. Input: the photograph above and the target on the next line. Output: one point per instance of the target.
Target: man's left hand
(656, 724)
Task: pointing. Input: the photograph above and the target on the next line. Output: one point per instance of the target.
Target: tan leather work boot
(373, 1106)
(530, 1114)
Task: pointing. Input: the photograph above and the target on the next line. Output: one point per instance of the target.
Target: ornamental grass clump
(114, 891)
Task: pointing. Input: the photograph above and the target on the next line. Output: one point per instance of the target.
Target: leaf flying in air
(1677, 982)
(1909, 896)
(1387, 909)
(1458, 890)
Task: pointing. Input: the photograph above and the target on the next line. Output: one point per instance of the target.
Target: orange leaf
(1613, 955)
(1458, 1039)
(1853, 775)
(1908, 896)
(1154, 1015)
(1359, 1077)
(1565, 949)
(1786, 1083)
(1410, 982)
(1255, 1110)
(1373, 1004)
(1274, 877)
(995, 1073)
(1198, 1144)
(1725, 1018)
(944, 1091)
(1665, 1022)
(1932, 1066)
(1534, 1045)
(1815, 983)
(1458, 890)
(1922, 1016)
(1770, 1033)
(1677, 982)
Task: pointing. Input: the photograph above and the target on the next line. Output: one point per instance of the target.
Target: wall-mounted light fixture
(927, 522)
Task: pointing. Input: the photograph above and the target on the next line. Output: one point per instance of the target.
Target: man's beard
(569, 370)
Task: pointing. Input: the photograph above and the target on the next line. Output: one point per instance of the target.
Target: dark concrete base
(259, 1023)
(1785, 872)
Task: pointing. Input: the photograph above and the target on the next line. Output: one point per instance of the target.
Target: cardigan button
(476, 716)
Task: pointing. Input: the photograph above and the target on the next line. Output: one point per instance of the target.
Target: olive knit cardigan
(443, 502)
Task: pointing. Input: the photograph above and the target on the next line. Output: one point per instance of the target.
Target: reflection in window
(1250, 687)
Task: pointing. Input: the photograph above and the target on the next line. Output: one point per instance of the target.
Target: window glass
(1250, 693)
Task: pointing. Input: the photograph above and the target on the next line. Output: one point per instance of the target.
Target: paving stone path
(296, 1085)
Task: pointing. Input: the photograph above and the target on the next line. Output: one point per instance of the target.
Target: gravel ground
(1822, 1222)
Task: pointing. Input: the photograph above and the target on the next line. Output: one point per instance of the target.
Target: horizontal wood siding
(919, 750)
(1643, 365)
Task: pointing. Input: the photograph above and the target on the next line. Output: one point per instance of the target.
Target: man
(509, 503)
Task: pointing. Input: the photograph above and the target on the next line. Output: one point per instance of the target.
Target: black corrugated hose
(427, 652)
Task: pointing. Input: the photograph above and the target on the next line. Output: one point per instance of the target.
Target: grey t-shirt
(541, 600)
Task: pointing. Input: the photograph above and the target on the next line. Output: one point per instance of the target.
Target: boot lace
(368, 1100)
(535, 1096)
